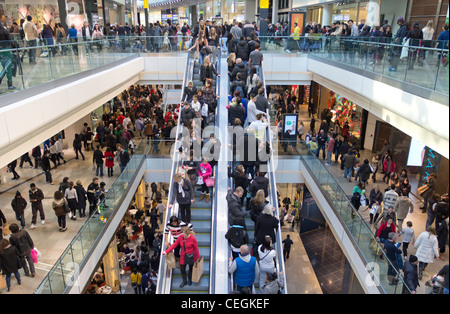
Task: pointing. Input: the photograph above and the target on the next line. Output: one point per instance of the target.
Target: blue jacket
(244, 276)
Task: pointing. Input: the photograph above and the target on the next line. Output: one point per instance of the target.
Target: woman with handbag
(60, 206)
(109, 161)
(205, 172)
(189, 254)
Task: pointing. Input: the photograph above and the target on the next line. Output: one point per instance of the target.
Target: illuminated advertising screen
(290, 123)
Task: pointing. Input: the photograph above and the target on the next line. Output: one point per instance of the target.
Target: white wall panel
(29, 122)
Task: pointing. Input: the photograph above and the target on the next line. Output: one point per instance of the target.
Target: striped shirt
(176, 231)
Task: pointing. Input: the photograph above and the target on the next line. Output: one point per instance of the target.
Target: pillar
(111, 265)
(250, 10)
(263, 17)
(326, 14)
(274, 11)
(373, 13)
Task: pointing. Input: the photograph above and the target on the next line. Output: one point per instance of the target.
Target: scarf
(180, 189)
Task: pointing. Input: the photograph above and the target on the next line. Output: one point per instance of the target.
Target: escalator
(273, 200)
(201, 212)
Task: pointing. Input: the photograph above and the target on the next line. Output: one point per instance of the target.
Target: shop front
(343, 116)
(419, 160)
(42, 12)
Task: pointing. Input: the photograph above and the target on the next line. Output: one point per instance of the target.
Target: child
(408, 237)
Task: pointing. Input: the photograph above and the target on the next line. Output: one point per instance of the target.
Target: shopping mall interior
(325, 140)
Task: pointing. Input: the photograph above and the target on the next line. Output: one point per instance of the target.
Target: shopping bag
(34, 256)
(198, 270)
(199, 181)
(405, 50)
(375, 248)
(2, 282)
(170, 260)
(422, 189)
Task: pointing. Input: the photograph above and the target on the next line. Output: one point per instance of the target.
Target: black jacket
(364, 172)
(236, 216)
(98, 156)
(242, 50)
(410, 275)
(239, 68)
(188, 193)
(18, 205)
(259, 183)
(237, 236)
(237, 111)
(186, 115)
(265, 225)
(239, 179)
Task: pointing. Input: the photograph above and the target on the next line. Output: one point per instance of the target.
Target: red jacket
(109, 163)
(191, 247)
(383, 226)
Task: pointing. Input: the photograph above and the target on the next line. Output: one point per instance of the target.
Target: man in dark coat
(410, 274)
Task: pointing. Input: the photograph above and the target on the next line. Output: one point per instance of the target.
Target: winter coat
(59, 206)
(259, 183)
(239, 179)
(81, 195)
(18, 205)
(410, 275)
(239, 68)
(375, 197)
(265, 225)
(349, 160)
(109, 159)
(236, 216)
(188, 193)
(235, 111)
(9, 262)
(427, 247)
(22, 241)
(242, 50)
(204, 170)
(272, 287)
(186, 115)
(364, 172)
(237, 236)
(402, 206)
(191, 247)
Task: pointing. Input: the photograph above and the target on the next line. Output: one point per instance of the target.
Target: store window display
(346, 116)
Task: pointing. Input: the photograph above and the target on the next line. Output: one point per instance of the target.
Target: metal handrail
(165, 274)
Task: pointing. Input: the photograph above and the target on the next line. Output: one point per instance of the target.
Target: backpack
(236, 236)
(356, 200)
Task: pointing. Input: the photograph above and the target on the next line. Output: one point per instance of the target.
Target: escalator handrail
(165, 274)
(214, 201)
(273, 193)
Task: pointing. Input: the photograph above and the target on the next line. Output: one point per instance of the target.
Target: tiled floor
(327, 259)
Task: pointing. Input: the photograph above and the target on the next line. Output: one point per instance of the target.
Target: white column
(274, 11)
(326, 14)
(373, 14)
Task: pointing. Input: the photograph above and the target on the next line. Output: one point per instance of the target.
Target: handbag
(422, 189)
(66, 207)
(188, 258)
(210, 181)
